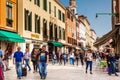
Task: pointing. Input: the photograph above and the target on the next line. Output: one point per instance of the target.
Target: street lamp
(112, 14)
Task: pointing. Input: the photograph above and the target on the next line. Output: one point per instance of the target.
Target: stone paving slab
(57, 72)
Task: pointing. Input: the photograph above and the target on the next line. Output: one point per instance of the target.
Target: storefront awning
(10, 36)
(54, 43)
(106, 37)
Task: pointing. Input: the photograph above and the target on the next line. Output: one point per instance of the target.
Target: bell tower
(73, 6)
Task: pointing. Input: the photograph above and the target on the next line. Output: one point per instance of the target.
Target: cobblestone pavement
(68, 72)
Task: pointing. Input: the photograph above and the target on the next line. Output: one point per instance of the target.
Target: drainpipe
(17, 16)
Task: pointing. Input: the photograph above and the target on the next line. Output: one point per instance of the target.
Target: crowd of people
(40, 59)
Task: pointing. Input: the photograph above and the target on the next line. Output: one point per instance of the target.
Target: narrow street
(68, 72)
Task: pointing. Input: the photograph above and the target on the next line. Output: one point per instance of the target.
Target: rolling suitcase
(24, 71)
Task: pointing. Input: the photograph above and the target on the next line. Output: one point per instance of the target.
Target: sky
(89, 8)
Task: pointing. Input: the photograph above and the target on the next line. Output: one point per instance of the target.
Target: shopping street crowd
(40, 58)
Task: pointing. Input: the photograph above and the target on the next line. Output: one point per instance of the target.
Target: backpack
(43, 56)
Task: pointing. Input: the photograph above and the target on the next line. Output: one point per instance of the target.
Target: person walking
(26, 58)
(77, 57)
(17, 60)
(34, 59)
(89, 58)
(111, 62)
(43, 62)
(64, 58)
(1, 54)
(54, 57)
(1, 64)
(61, 58)
(81, 57)
(6, 58)
(71, 57)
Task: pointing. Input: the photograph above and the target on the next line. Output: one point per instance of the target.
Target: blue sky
(89, 8)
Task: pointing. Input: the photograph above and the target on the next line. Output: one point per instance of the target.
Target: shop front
(9, 40)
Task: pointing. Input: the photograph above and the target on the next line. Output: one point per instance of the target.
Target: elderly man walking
(17, 60)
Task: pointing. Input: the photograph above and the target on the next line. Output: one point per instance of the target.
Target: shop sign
(35, 36)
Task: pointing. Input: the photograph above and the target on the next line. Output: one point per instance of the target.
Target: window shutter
(38, 3)
(25, 19)
(34, 1)
(39, 25)
(30, 20)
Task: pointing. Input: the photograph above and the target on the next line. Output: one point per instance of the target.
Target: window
(68, 15)
(59, 14)
(9, 15)
(28, 20)
(37, 24)
(60, 32)
(54, 11)
(51, 31)
(72, 18)
(45, 28)
(45, 5)
(63, 34)
(37, 2)
(49, 7)
(63, 17)
(73, 11)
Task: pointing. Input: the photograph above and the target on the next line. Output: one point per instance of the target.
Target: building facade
(116, 25)
(70, 29)
(87, 34)
(93, 39)
(8, 26)
(41, 21)
(82, 34)
(79, 45)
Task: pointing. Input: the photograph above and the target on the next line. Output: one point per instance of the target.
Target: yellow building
(41, 21)
(8, 28)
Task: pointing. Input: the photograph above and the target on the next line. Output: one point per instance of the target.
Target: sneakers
(19, 77)
(86, 72)
(91, 73)
(116, 74)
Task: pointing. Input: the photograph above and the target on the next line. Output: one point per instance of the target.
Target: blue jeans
(87, 64)
(64, 59)
(19, 69)
(112, 67)
(26, 63)
(53, 61)
(72, 61)
(42, 69)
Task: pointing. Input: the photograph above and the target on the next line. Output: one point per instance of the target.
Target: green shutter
(63, 17)
(38, 3)
(45, 5)
(25, 19)
(54, 11)
(30, 20)
(35, 23)
(49, 7)
(34, 1)
(39, 25)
